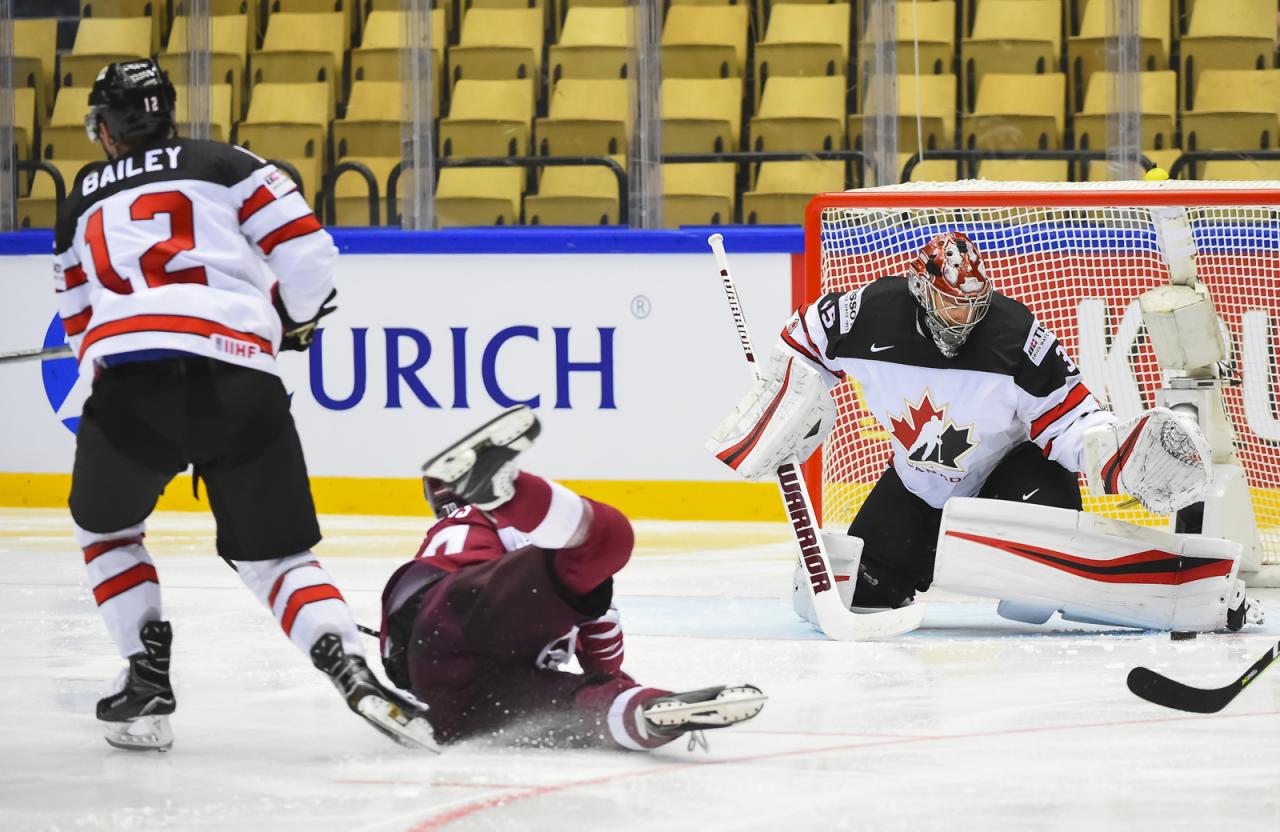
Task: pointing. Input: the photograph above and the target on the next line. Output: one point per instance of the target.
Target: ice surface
(970, 723)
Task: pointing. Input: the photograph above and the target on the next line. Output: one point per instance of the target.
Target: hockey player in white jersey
(162, 288)
(980, 400)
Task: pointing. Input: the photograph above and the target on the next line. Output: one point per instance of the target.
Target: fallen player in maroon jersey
(514, 579)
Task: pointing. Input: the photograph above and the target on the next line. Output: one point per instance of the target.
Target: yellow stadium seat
(701, 115)
(930, 30)
(1023, 170)
(927, 169)
(24, 120)
(34, 55)
(249, 9)
(804, 40)
(301, 48)
(489, 118)
(289, 122)
(478, 196)
(101, 41)
(347, 8)
(697, 194)
(1159, 99)
(1017, 112)
(574, 196)
(585, 118)
(783, 190)
(226, 55)
(705, 42)
(1234, 109)
(351, 192)
(64, 136)
(933, 97)
(220, 120)
(497, 44)
(380, 54)
(1227, 34)
(1011, 36)
(1087, 50)
(800, 114)
(594, 44)
(1243, 169)
(40, 209)
(372, 123)
(156, 10)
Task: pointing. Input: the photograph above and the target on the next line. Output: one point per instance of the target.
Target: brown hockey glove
(297, 335)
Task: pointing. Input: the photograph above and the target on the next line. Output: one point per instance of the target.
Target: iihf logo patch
(60, 376)
(932, 443)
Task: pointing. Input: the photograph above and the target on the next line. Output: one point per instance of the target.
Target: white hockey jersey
(951, 421)
(164, 250)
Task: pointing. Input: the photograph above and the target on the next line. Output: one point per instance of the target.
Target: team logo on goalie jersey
(932, 442)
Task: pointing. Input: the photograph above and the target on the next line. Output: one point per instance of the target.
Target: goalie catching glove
(1160, 458)
(787, 413)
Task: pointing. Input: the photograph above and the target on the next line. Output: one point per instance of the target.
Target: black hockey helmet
(441, 500)
(135, 99)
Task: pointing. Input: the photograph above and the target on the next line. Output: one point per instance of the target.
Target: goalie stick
(1160, 689)
(41, 353)
(834, 619)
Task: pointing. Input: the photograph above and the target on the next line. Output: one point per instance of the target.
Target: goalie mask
(948, 280)
(441, 500)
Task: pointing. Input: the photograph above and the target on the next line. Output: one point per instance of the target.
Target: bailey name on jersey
(950, 420)
(152, 161)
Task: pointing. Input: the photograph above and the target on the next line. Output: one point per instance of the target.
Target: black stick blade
(1161, 690)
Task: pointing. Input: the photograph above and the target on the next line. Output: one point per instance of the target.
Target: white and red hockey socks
(125, 585)
(626, 719)
(303, 598)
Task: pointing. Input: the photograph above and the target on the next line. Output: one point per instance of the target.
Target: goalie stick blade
(1161, 690)
(841, 624)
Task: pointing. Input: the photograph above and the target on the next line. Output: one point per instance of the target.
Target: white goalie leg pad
(845, 553)
(788, 412)
(1039, 560)
(1160, 458)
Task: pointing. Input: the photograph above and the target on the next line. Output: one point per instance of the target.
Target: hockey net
(1078, 255)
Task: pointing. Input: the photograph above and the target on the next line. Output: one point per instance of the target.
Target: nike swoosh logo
(874, 348)
(1029, 494)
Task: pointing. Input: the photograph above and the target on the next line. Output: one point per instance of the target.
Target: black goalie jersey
(951, 421)
(179, 246)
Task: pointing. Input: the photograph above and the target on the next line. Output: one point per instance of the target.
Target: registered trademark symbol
(641, 306)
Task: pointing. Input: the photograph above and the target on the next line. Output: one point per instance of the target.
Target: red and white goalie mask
(948, 279)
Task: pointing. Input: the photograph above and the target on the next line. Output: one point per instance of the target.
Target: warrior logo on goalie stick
(933, 444)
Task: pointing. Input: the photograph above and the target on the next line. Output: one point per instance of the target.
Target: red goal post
(1077, 254)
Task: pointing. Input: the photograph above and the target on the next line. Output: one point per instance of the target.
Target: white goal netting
(1078, 255)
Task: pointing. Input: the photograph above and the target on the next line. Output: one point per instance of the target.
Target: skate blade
(146, 733)
(411, 732)
(507, 430)
(732, 705)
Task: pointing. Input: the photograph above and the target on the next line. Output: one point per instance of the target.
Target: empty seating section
(318, 84)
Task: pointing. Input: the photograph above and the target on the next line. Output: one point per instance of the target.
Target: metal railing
(331, 190)
(967, 160)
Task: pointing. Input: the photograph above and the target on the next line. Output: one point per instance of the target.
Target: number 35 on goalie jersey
(165, 249)
(950, 421)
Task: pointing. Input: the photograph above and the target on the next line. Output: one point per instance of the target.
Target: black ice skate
(700, 710)
(137, 716)
(388, 712)
(479, 467)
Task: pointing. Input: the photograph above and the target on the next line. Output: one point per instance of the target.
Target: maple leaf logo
(907, 430)
(928, 438)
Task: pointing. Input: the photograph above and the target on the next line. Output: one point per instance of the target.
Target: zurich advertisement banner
(629, 359)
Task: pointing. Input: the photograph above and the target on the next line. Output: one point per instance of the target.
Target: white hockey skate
(699, 710)
(479, 468)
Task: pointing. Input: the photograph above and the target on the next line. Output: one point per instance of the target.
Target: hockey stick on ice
(1162, 690)
(41, 353)
(834, 619)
